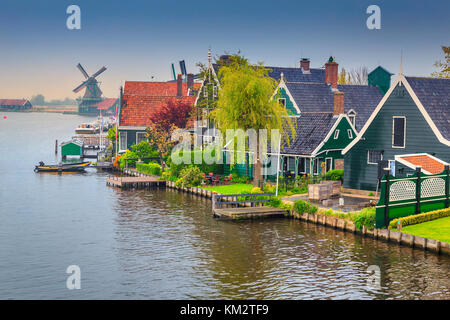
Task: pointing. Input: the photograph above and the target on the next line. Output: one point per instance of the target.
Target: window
(301, 165)
(398, 132)
(350, 133)
(374, 156)
(352, 116)
(336, 134)
(282, 101)
(123, 141)
(215, 91)
(140, 136)
(316, 166)
(328, 164)
(205, 91)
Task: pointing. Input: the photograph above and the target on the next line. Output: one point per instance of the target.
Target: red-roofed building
(15, 104)
(428, 163)
(140, 99)
(107, 104)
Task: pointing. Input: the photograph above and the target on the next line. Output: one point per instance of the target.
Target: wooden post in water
(56, 146)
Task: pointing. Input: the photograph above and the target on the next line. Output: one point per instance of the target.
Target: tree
(359, 76)
(174, 112)
(344, 77)
(245, 103)
(444, 67)
(38, 100)
(160, 137)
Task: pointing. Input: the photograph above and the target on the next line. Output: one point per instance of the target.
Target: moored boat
(87, 128)
(59, 168)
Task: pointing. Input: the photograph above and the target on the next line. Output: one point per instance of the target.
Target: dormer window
(352, 116)
(282, 101)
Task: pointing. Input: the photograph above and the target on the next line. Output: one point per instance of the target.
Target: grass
(438, 229)
(237, 188)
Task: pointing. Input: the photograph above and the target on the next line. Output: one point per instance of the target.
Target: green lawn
(237, 188)
(438, 229)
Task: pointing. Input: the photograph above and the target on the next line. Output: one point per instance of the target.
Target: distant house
(15, 104)
(106, 106)
(410, 127)
(140, 99)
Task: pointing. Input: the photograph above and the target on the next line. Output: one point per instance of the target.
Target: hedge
(151, 168)
(420, 218)
(216, 168)
(302, 206)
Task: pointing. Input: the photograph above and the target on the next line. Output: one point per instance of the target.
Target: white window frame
(205, 91)
(215, 91)
(137, 134)
(123, 137)
(316, 167)
(368, 156)
(282, 99)
(352, 116)
(331, 164)
(350, 133)
(404, 132)
(336, 134)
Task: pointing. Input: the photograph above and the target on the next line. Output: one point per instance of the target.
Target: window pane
(399, 132)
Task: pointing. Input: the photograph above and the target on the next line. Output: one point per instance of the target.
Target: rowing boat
(69, 167)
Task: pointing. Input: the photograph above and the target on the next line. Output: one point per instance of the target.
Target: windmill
(92, 94)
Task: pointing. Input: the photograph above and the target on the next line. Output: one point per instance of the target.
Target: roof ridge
(428, 78)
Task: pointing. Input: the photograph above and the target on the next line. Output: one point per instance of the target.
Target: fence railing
(400, 197)
(253, 198)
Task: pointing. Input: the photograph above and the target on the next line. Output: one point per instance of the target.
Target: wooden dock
(249, 212)
(135, 182)
(245, 209)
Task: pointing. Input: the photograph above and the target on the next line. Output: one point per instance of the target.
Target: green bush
(235, 178)
(420, 218)
(365, 218)
(192, 176)
(336, 175)
(128, 155)
(302, 206)
(179, 183)
(151, 168)
(175, 169)
(144, 150)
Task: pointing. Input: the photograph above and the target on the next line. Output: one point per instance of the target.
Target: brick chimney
(331, 73)
(338, 103)
(190, 81)
(179, 85)
(304, 65)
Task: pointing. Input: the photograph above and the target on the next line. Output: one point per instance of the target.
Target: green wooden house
(71, 148)
(410, 122)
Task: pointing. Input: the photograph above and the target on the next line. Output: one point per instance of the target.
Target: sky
(139, 39)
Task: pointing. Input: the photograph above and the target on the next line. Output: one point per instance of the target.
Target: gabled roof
(311, 130)
(430, 95)
(434, 94)
(318, 97)
(13, 102)
(106, 104)
(147, 88)
(428, 163)
(291, 74)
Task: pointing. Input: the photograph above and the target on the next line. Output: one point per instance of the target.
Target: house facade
(140, 99)
(409, 128)
(15, 104)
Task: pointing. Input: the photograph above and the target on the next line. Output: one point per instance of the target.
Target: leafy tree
(245, 103)
(444, 67)
(174, 112)
(160, 137)
(344, 77)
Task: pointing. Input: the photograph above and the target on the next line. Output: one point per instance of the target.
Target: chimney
(331, 73)
(304, 65)
(179, 85)
(338, 103)
(190, 81)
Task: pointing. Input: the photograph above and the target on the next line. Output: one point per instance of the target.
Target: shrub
(151, 168)
(302, 206)
(239, 179)
(420, 218)
(336, 174)
(128, 155)
(192, 176)
(256, 190)
(179, 183)
(275, 202)
(175, 169)
(144, 150)
(366, 217)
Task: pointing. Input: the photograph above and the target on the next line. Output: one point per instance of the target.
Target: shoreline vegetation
(47, 109)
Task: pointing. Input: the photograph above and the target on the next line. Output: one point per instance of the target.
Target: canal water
(166, 245)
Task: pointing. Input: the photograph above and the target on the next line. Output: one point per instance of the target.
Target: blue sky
(139, 39)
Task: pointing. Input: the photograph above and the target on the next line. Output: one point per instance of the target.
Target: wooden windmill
(92, 94)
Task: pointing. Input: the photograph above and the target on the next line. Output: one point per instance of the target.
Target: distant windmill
(92, 89)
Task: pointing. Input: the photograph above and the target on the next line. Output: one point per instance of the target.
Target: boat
(87, 128)
(59, 168)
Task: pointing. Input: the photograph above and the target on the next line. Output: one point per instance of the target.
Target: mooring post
(418, 192)
(56, 146)
(447, 185)
(386, 199)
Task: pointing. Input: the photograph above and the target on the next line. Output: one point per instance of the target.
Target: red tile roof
(12, 102)
(147, 88)
(106, 104)
(427, 163)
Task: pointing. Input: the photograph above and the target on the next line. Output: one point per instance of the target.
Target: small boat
(59, 168)
(87, 128)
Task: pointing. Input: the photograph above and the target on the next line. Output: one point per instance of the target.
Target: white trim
(120, 141)
(330, 165)
(139, 132)
(404, 132)
(318, 164)
(304, 162)
(398, 81)
(350, 133)
(282, 85)
(412, 166)
(368, 156)
(132, 128)
(284, 101)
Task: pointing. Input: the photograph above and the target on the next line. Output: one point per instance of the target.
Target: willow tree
(246, 101)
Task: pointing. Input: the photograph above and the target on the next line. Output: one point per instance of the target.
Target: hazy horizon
(140, 39)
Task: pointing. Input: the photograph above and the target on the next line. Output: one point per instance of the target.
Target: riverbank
(396, 237)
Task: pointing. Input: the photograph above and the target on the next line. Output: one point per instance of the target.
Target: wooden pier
(249, 209)
(135, 182)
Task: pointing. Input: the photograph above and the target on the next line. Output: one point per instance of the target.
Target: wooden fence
(400, 197)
